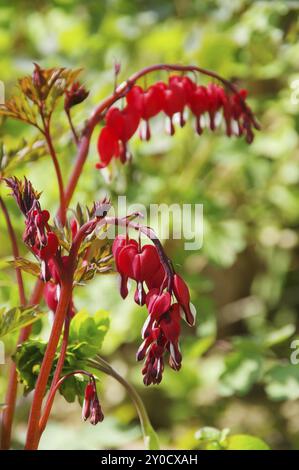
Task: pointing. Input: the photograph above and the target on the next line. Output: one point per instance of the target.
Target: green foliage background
(236, 370)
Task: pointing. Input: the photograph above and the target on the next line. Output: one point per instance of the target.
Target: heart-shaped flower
(157, 303)
(182, 294)
(174, 99)
(199, 103)
(120, 242)
(108, 146)
(138, 264)
(123, 122)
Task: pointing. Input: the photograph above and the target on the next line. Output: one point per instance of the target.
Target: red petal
(115, 120)
(138, 265)
(158, 280)
(108, 146)
(157, 303)
(50, 249)
(198, 101)
(119, 242)
(131, 122)
(135, 98)
(170, 323)
(153, 102)
(124, 122)
(182, 294)
(174, 97)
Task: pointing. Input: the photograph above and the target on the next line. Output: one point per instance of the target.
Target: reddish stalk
(33, 435)
(49, 403)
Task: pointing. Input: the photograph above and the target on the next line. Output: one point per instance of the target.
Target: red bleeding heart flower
(216, 99)
(199, 103)
(170, 324)
(148, 102)
(171, 98)
(123, 122)
(162, 335)
(161, 329)
(238, 108)
(236, 100)
(113, 138)
(138, 264)
(42, 241)
(157, 303)
(135, 263)
(120, 242)
(108, 146)
(175, 100)
(91, 406)
(37, 235)
(182, 295)
(157, 280)
(182, 87)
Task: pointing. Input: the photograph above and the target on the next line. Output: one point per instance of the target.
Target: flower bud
(88, 398)
(75, 95)
(96, 415)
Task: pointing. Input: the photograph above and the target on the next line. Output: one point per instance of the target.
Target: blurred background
(244, 281)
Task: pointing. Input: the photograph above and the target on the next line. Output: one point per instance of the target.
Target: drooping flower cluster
(151, 270)
(41, 240)
(91, 408)
(172, 98)
(37, 235)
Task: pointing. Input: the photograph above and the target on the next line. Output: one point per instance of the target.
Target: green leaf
(24, 153)
(151, 439)
(28, 359)
(224, 241)
(26, 265)
(282, 382)
(17, 317)
(279, 335)
(242, 370)
(245, 442)
(215, 439)
(208, 433)
(89, 331)
(85, 340)
(200, 346)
